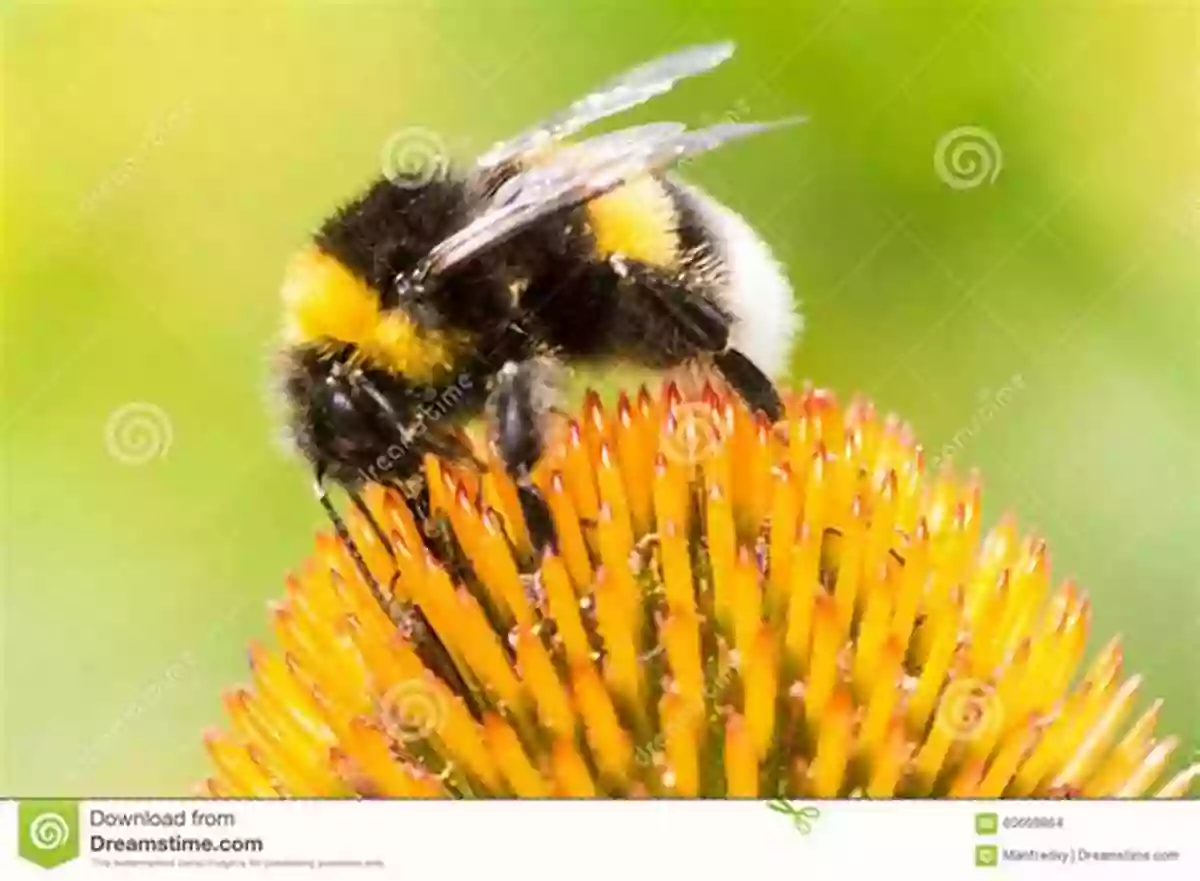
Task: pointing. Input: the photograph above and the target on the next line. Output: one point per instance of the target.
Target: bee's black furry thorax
(388, 228)
(384, 233)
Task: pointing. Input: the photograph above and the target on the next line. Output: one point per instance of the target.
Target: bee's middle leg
(524, 395)
(755, 387)
(697, 328)
(705, 330)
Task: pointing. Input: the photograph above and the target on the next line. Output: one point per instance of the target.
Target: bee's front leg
(524, 394)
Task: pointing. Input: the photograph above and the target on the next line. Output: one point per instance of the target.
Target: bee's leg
(523, 395)
(537, 518)
(416, 497)
(438, 534)
(703, 328)
(750, 382)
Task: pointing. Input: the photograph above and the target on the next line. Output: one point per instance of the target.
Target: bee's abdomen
(590, 306)
(638, 222)
(741, 274)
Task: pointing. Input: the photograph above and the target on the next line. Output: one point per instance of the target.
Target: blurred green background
(161, 161)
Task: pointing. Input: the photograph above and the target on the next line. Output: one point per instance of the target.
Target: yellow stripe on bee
(638, 221)
(326, 304)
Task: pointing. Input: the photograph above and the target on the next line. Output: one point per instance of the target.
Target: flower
(734, 609)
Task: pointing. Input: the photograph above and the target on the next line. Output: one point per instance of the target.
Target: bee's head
(343, 418)
(355, 371)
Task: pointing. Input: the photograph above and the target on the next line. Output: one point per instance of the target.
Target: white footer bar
(580, 841)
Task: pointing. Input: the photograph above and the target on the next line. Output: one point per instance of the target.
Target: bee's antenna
(358, 502)
(429, 644)
(403, 433)
(339, 526)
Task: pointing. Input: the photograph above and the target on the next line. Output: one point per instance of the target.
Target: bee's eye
(341, 402)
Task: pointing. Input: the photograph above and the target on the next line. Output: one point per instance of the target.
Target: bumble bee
(418, 307)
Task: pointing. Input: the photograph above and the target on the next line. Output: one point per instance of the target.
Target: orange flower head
(734, 609)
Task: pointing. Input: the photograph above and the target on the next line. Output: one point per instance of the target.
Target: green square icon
(986, 824)
(986, 855)
(48, 832)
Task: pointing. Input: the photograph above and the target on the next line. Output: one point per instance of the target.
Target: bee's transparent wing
(568, 162)
(577, 174)
(617, 95)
